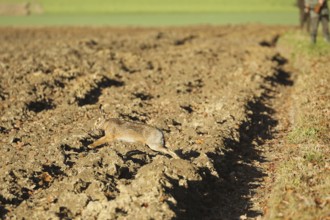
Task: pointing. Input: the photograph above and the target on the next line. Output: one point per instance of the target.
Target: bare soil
(210, 89)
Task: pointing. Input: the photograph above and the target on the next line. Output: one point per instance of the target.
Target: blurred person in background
(304, 17)
(319, 12)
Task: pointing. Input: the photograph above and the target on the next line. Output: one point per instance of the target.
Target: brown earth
(210, 89)
(20, 9)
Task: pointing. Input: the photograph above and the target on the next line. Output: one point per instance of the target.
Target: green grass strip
(151, 19)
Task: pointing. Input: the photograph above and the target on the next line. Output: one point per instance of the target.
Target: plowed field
(205, 87)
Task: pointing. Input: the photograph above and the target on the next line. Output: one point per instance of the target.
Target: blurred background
(146, 12)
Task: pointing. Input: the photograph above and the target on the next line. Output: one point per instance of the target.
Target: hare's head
(101, 120)
(99, 123)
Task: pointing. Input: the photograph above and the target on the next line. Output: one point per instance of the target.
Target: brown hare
(116, 129)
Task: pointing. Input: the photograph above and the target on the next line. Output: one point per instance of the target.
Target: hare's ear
(101, 110)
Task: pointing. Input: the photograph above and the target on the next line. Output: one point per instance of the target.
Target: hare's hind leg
(99, 142)
(164, 150)
(174, 155)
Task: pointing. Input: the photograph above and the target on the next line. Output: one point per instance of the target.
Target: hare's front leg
(100, 141)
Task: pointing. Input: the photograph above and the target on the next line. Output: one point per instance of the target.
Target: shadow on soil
(228, 197)
(38, 106)
(93, 95)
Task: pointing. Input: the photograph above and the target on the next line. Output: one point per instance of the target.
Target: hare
(116, 129)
